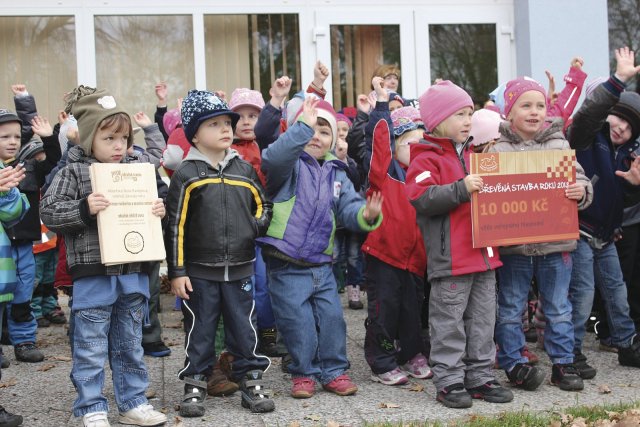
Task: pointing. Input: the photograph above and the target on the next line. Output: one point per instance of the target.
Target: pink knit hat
(342, 118)
(405, 119)
(244, 97)
(485, 126)
(440, 101)
(171, 120)
(516, 87)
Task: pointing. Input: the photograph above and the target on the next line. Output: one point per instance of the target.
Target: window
(467, 55)
(39, 51)
(133, 53)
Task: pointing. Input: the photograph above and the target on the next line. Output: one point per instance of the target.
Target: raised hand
(341, 149)
(625, 68)
(309, 111)
(280, 90)
(320, 74)
(381, 93)
(142, 119)
(373, 207)
(161, 93)
(18, 89)
(41, 126)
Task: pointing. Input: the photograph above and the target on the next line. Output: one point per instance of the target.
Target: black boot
(585, 370)
(7, 419)
(567, 377)
(270, 345)
(195, 391)
(254, 394)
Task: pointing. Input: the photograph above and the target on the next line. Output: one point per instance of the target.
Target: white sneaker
(143, 415)
(95, 419)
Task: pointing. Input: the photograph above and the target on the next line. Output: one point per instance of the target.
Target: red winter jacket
(250, 152)
(436, 189)
(397, 241)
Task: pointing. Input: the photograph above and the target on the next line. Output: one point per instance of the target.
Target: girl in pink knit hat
(462, 299)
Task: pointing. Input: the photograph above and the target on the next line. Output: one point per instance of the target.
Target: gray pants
(462, 317)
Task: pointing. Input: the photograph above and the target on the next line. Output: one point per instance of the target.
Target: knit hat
(590, 87)
(485, 126)
(7, 116)
(497, 96)
(628, 109)
(440, 101)
(516, 87)
(342, 118)
(243, 97)
(30, 149)
(171, 120)
(200, 105)
(404, 119)
(326, 111)
(90, 110)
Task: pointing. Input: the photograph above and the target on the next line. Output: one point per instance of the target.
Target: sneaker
(43, 322)
(195, 392)
(566, 377)
(353, 293)
(143, 415)
(393, 377)
(7, 419)
(533, 358)
(56, 317)
(526, 376)
(269, 344)
(303, 387)
(95, 419)
(454, 396)
(219, 383)
(417, 367)
(156, 349)
(605, 345)
(630, 356)
(28, 352)
(254, 395)
(342, 385)
(491, 391)
(585, 370)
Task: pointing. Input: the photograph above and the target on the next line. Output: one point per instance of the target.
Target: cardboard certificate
(523, 198)
(128, 231)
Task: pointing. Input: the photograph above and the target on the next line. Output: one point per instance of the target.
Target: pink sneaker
(417, 367)
(303, 387)
(393, 377)
(342, 386)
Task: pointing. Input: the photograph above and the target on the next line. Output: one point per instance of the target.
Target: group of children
(257, 192)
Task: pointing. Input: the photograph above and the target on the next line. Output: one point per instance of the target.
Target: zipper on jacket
(442, 235)
(226, 227)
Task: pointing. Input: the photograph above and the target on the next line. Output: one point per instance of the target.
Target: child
(526, 130)
(462, 300)
(604, 133)
(396, 260)
(311, 192)
(13, 206)
(211, 262)
(109, 302)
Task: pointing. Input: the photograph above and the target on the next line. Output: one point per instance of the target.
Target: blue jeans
(601, 268)
(115, 332)
(553, 273)
(22, 329)
(309, 317)
(264, 311)
(346, 250)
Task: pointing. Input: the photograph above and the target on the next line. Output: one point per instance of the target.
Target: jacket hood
(195, 154)
(551, 129)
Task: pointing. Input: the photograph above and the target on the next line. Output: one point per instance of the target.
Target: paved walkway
(43, 393)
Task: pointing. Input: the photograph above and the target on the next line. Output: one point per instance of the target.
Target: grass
(525, 419)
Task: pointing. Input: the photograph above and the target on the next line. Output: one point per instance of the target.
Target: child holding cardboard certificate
(109, 302)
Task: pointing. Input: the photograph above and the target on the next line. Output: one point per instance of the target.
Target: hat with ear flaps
(90, 107)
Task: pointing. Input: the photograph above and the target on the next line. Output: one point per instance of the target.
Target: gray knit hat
(7, 116)
(628, 109)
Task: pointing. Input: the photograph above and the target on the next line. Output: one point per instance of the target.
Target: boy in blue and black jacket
(216, 208)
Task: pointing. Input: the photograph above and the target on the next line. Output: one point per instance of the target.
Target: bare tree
(624, 28)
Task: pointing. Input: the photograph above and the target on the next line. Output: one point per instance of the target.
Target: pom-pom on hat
(201, 105)
(628, 109)
(405, 119)
(516, 87)
(485, 126)
(7, 116)
(171, 120)
(440, 101)
(244, 97)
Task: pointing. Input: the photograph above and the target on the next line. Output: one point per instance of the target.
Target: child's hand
(341, 149)
(633, 174)
(473, 183)
(62, 117)
(10, 177)
(180, 286)
(179, 101)
(279, 91)
(577, 62)
(320, 74)
(221, 94)
(309, 111)
(142, 119)
(574, 191)
(381, 93)
(157, 208)
(363, 103)
(18, 89)
(161, 93)
(41, 127)
(625, 68)
(97, 202)
(373, 207)
(551, 93)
